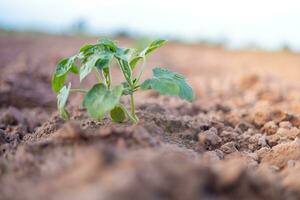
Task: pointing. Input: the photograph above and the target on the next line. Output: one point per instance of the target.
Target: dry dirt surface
(239, 139)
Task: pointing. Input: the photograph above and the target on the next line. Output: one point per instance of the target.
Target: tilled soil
(240, 139)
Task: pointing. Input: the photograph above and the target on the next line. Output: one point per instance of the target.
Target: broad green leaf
(74, 69)
(117, 114)
(86, 51)
(62, 98)
(135, 60)
(62, 69)
(151, 47)
(123, 56)
(109, 44)
(64, 66)
(86, 48)
(186, 92)
(126, 69)
(99, 100)
(124, 53)
(170, 83)
(162, 85)
(104, 60)
(58, 82)
(87, 66)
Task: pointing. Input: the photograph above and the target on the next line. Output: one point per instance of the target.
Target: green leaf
(104, 60)
(126, 69)
(123, 56)
(64, 66)
(87, 66)
(99, 100)
(109, 44)
(62, 69)
(58, 82)
(151, 47)
(86, 47)
(162, 85)
(117, 114)
(170, 83)
(74, 69)
(135, 60)
(62, 98)
(124, 53)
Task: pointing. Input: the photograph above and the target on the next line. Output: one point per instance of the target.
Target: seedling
(104, 98)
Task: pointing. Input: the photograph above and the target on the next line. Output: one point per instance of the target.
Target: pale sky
(269, 23)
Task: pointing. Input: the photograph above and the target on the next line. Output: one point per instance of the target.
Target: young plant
(103, 97)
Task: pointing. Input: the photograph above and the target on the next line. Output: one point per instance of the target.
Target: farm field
(239, 138)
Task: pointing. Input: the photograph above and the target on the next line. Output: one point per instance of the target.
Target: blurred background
(265, 24)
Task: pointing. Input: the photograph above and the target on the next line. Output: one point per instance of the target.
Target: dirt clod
(229, 147)
(209, 139)
(282, 153)
(270, 128)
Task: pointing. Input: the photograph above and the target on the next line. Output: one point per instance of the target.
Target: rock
(288, 133)
(228, 136)
(261, 117)
(282, 153)
(232, 118)
(229, 147)
(273, 140)
(243, 126)
(262, 152)
(209, 139)
(278, 116)
(257, 141)
(262, 141)
(269, 128)
(285, 124)
(295, 120)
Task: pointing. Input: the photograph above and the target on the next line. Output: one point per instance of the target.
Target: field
(239, 139)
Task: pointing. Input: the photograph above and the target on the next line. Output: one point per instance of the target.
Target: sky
(267, 23)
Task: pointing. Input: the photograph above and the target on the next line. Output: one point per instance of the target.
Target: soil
(239, 139)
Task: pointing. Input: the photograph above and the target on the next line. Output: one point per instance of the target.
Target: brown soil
(240, 139)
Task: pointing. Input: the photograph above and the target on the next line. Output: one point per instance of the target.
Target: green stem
(133, 119)
(132, 108)
(107, 77)
(132, 104)
(128, 79)
(78, 90)
(141, 71)
(98, 75)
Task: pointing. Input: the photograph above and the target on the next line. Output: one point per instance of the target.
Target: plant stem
(107, 77)
(132, 108)
(133, 119)
(98, 75)
(141, 71)
(78, 90)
